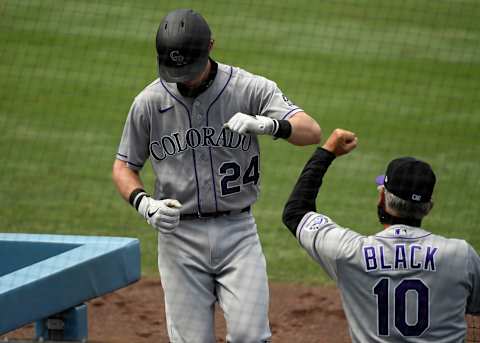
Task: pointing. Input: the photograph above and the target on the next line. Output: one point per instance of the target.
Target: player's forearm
(305, 130)
(304, 195)
(125, 179)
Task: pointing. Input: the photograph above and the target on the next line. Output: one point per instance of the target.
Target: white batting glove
(163, 215)
(260, 125)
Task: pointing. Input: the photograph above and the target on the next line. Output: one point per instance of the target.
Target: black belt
(189, 216)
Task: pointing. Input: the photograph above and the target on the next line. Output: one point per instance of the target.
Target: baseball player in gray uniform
(198, 125)
(403, 284)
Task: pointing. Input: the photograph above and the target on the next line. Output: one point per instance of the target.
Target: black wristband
(136, 196)
(284, 129)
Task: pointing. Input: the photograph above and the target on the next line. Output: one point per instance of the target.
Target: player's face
(192, 84)
(195, 82)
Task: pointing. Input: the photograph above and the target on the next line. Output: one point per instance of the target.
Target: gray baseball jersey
(209, 169)
(206, 167)
(403, 284)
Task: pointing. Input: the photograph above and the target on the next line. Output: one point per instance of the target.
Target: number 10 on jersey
(399, 304)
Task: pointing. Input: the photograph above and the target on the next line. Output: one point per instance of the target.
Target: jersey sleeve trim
(292, 112)
(131, 165)
(137, 166)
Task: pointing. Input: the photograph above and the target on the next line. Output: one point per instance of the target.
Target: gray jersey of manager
(403, 284)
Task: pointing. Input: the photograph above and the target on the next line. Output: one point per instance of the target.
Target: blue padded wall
(16, 255)
(45, 274)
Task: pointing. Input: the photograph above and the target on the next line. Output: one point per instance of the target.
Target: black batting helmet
(183, 40)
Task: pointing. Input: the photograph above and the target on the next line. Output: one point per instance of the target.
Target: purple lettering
(400, 256)
(414, 265)
(370, 258)
(430, 259)
(383, 265)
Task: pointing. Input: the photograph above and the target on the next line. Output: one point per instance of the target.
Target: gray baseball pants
(204, 261)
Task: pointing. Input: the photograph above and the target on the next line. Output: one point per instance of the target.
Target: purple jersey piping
(210, 148)
(400, 237)
(193, 151)
(298, 109)
(124, 158)
(135, 165)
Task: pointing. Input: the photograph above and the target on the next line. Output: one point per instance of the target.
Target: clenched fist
(341, 142)
(163, 215)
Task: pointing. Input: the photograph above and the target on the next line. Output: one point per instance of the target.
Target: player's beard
(383, 216)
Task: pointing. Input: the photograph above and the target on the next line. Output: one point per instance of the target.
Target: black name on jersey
(402, 256)
(177, 142)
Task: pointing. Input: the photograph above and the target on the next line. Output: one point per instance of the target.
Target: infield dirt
(135, 314)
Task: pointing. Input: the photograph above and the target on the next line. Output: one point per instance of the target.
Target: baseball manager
(404, 284)
(198, 125)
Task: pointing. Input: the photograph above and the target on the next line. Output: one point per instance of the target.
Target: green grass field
(405, 76)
